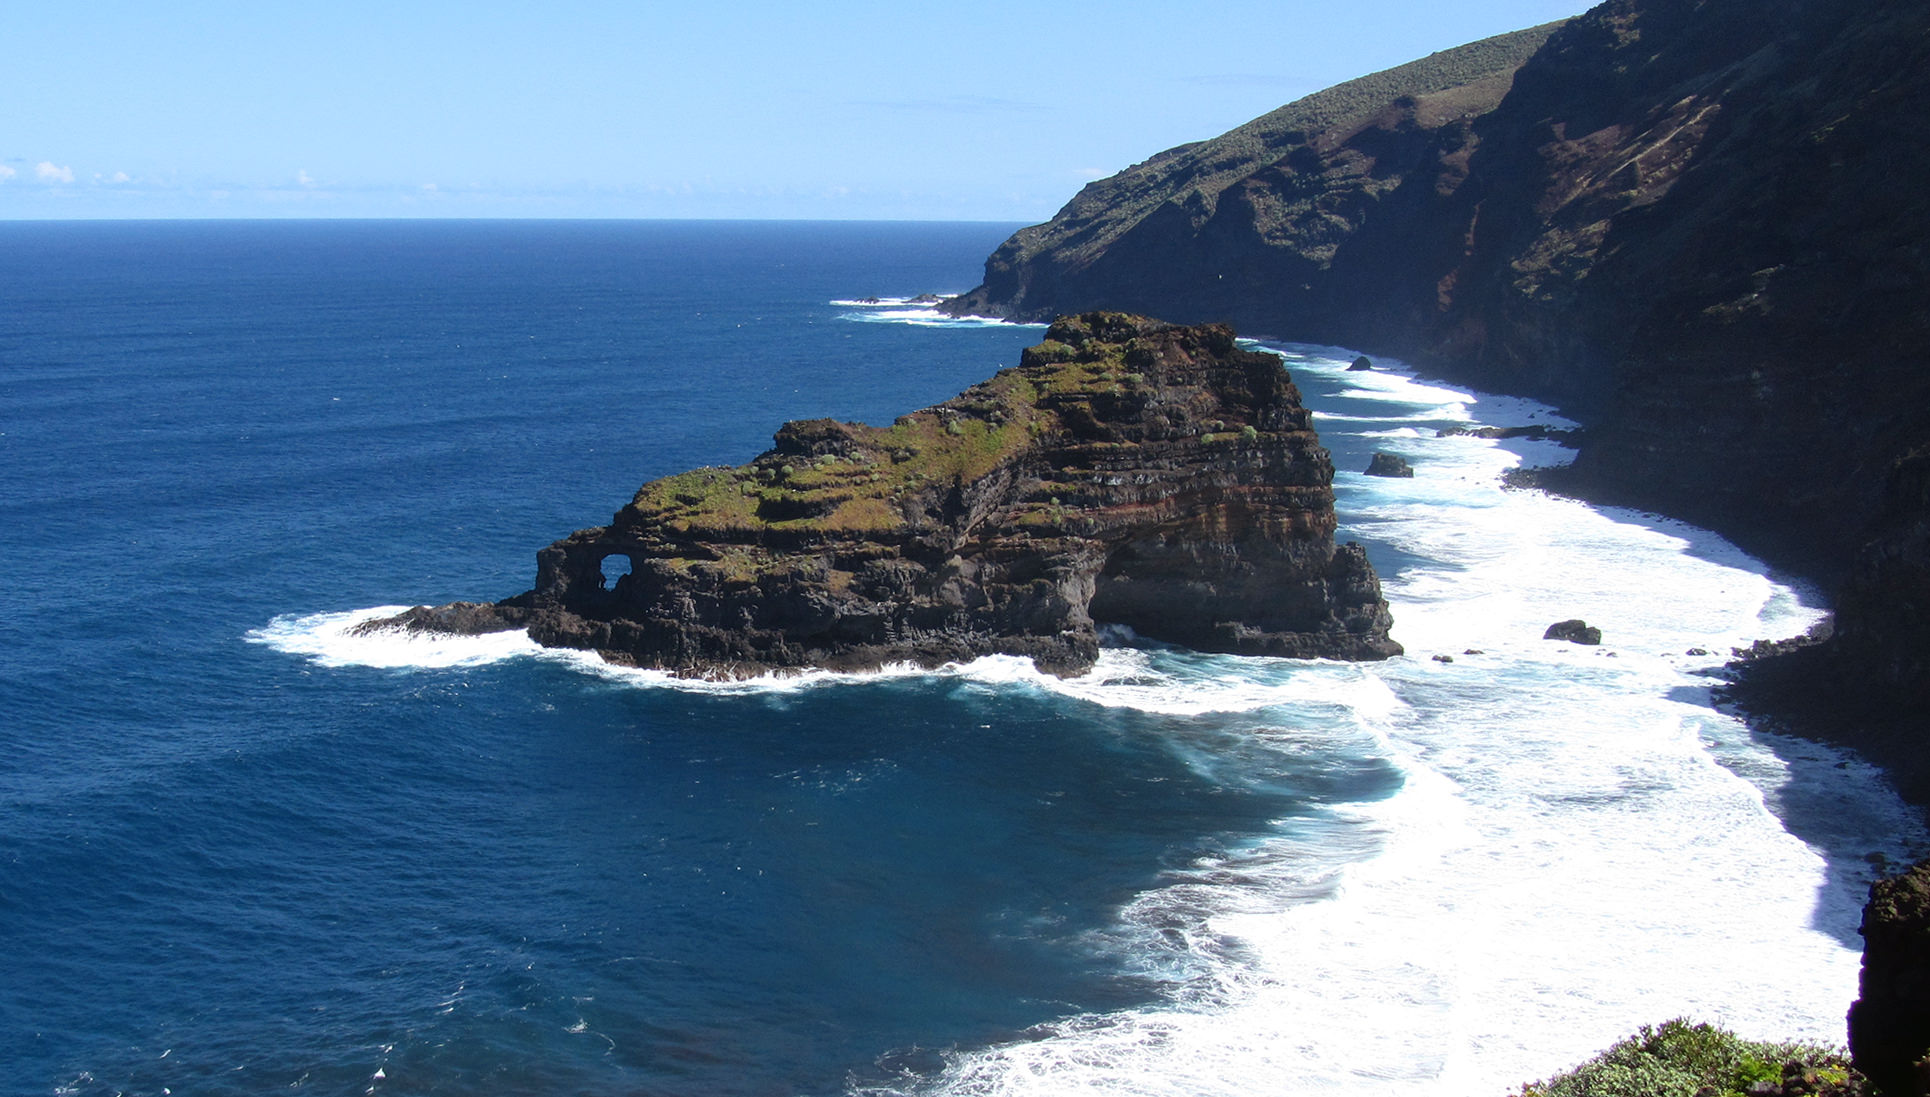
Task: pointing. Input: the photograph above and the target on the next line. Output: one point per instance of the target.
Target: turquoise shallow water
(241, 853)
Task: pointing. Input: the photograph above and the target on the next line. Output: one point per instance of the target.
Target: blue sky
(989, 111)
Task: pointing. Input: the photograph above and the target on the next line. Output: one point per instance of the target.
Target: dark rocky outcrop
(1575, 631)
(1263, 225)
(1389, 465)
(1890, 1020)
(1127, 471)
(1699, 226)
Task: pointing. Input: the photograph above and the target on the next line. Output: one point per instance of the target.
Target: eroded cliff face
(1698, 225)
(1278, 224)
(1889, 1024)
(1127, 472)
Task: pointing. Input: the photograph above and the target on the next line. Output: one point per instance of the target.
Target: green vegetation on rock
(1197, 173)
(829, 477)
(1684, 1059)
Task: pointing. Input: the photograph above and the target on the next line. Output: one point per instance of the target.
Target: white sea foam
(329, 640)
(906, 310)
(1581, 844)
(1153, 680)
(1567, 859)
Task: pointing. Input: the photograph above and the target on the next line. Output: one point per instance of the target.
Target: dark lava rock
(1698, 227)
(1890, 1019)
(1575, 631)
(455, 618)
(1127, 471)
(1444, 658)
(1361, 363)
(1387, 464)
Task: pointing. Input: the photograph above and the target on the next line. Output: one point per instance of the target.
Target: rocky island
(1127, 472)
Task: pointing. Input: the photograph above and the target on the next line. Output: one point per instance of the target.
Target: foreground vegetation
(1683, 1059)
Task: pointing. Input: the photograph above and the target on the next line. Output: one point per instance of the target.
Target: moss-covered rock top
(1091, 376)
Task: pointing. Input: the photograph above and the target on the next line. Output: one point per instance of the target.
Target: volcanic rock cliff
(1127, 471)
(1701, 226)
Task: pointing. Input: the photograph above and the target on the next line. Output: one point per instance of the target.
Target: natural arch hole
(614, 567)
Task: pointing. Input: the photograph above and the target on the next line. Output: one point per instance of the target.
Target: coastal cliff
(1126, 472)
(1699, 227)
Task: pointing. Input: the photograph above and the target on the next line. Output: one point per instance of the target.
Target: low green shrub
(1684, 1059)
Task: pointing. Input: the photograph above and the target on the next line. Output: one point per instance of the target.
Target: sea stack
(1127, 471)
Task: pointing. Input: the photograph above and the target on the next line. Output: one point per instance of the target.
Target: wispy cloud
(302, 178)
(46, 172)
(954, 104)
(6, 173)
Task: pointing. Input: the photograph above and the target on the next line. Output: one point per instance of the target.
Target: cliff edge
(1127, 471)
(1699, 227)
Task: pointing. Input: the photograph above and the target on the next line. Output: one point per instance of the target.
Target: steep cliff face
(1890, 1021)
(1699, 225)
(1261, 225)
(1127, 472)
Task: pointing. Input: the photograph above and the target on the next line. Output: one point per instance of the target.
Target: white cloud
(120, 177)
(430, 187)
(6, 173)
(48, 173)
(303, 178)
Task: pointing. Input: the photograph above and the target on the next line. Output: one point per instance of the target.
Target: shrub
(1681, 1059)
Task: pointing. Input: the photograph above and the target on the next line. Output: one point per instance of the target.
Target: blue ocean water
(241, 852)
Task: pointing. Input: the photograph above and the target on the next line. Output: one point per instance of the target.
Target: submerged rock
(1389, 465)
(1127, 471)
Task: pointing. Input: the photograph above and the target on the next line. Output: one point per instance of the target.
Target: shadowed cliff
(1698, 225)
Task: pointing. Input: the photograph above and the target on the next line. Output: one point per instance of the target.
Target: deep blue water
(225, 869)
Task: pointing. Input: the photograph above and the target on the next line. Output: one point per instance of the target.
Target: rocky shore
(1697, 228)
(1700, 229)
(1128, 471)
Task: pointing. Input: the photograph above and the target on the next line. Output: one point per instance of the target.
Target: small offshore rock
(1575, 631)
(1444, 658)
(1474, 651)
(1361, 363)
(1697, 651)
(1387, 464)
(453, 619)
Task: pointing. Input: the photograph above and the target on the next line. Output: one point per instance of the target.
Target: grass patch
(849, 478)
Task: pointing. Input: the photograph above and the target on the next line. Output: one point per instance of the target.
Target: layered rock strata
(1127, 471)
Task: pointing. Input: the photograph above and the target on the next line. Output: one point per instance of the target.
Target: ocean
(244, 852)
